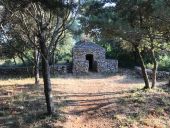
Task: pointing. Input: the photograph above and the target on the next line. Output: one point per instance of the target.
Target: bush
(163, 63)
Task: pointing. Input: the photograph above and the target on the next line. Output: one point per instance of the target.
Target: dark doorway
(89, 57)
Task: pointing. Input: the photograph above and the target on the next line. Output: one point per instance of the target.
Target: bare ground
(93, 101)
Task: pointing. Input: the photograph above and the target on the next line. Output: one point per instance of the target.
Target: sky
(109, 5)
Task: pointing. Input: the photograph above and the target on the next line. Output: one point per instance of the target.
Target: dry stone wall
(107, 65)
(112, 65)
(160, 74)
(61, 68)
(29, 71)
(80, 67)
(80, 53)
(16, 71)
(81, 63)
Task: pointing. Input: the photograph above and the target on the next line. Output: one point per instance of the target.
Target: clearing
(93, 101)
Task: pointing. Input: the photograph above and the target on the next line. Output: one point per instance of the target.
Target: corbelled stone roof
(87, 45)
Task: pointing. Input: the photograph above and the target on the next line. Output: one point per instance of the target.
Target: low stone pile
(15, 71)
(107, 65)
(29, 71)
(160, 74)
(112, 65)
(61, 68)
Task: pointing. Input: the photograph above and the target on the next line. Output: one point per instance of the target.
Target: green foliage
(163, 63)
(11, 63)
(115, 50)
(76, 29)
(64, 49)
(8, 62)
(134, 22)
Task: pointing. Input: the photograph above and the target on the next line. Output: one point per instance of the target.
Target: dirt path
(91, 103)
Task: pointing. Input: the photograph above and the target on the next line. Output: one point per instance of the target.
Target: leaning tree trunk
(46, 75)
(36, 68)
(145, 76)
(154, 70)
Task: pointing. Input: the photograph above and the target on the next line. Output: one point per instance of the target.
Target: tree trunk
(36, 68)
(154, 70)
(47, 85)
(144, 73)
(15, 61)
(135, 57)
(22, 59)
(46, 75)
(169, 82)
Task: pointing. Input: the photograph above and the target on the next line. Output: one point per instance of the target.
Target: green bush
(163, 63)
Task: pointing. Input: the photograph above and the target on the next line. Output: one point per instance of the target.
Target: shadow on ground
(126, 108)
(24, 107)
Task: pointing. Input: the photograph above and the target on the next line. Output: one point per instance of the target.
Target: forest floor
(93, 101)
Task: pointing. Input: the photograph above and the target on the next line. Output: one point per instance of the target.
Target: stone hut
(90, 57)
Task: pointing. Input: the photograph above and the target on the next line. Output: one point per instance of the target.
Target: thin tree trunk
(52, 62)
(154, 70)
(135, 57)
(47, 85)
(36, 68)
(15, 61)
(144, 73)
(46, 75)
(22, 59)
(169, 82)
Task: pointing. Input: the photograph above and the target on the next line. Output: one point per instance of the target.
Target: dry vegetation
(94, 101)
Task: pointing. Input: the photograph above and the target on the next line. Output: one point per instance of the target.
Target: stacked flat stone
(160, 74)
(15, 71)
(29, 71)
(60, 68)
(81, 65)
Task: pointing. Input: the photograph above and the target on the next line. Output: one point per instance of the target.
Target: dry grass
(93, 101)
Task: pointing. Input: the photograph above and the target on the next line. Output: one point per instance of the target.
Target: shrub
(163, 63)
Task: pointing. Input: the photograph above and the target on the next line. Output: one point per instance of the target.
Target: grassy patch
(25, 107)
(144, 109)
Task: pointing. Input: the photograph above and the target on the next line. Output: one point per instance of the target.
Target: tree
(121, 21)
(135, 22)
(159, 32)
(42, 24)
(14, 45)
